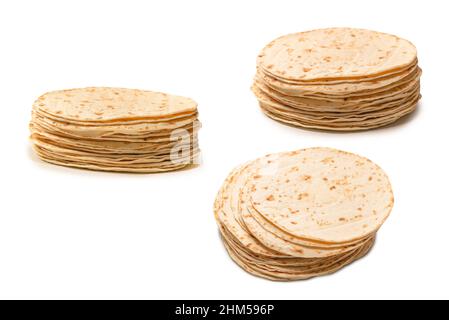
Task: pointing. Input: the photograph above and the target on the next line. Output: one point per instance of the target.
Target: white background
(67, 233)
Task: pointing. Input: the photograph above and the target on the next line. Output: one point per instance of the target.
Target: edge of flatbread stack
(116, 130)
(302, 214)
(338, 79)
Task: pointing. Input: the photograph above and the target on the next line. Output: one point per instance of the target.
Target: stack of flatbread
(338, 79)
(111, 129)
(302, 214)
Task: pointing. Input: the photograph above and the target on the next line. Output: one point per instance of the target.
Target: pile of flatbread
(118, 130)
(298, 215)
(338, 79)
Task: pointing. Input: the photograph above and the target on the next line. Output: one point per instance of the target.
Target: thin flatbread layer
(336, 53)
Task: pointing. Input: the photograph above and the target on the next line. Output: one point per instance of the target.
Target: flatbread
(109, 104)
(336, 53)
(118, 130)
(298, 215)
(338, 79)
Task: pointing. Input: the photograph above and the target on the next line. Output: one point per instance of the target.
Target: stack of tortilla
(302, 214)
(338, 79)
(119, 130)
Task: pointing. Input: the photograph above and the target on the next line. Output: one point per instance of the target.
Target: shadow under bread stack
(302, 214)
(112, 129)
(338, 79)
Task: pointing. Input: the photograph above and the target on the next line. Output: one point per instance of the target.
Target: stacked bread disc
(302, 214)
(338, 79)
(119, 130)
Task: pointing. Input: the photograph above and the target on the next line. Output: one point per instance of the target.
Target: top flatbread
(323, 194)
(337, 53)
(111, 104)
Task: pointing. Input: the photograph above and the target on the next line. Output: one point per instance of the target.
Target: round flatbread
(112, 104)
(336, 53)
(324, 195)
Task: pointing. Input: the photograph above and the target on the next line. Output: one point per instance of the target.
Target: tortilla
(297, 215)
(359, 78)
(118, 130)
